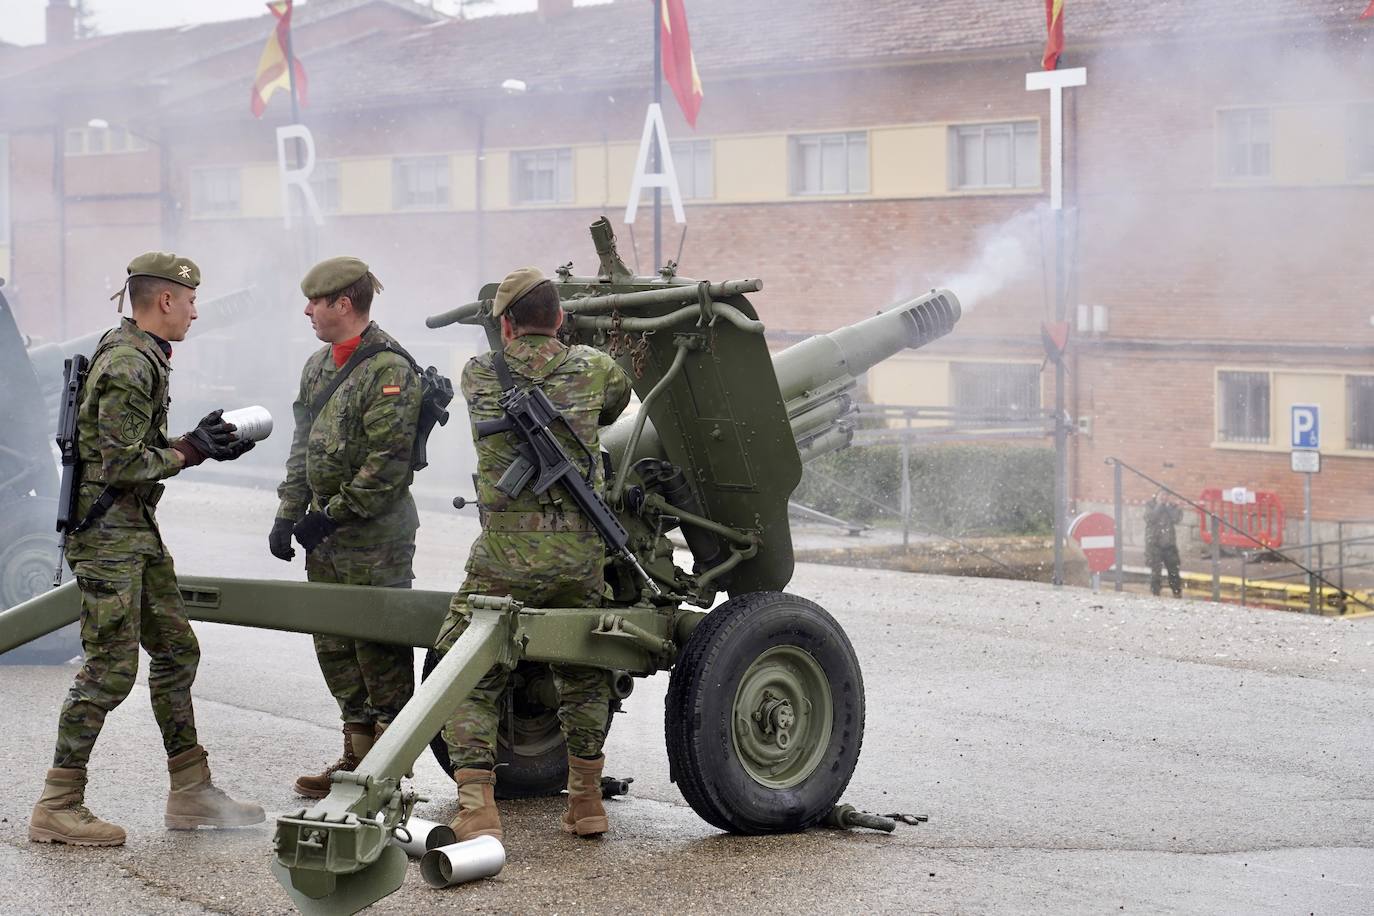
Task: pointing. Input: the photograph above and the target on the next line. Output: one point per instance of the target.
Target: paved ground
(1075, 754)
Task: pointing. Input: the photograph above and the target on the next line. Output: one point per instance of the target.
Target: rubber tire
(698, 714)
(519, 775)
(28, 539)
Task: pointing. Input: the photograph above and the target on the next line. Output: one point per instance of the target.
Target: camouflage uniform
(129, 592)
(353, 461)
(538, 549)
(1161, 544)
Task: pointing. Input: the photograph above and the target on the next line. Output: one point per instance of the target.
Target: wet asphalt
(1075, 753)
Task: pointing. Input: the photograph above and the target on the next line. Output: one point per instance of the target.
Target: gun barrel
(850, 351)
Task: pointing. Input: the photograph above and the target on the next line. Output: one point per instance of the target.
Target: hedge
(955, 489)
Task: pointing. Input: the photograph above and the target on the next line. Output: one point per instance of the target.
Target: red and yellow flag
(679, 66)
(272, 73)
(1054, 42)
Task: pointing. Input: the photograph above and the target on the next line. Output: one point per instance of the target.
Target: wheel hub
(783, 717)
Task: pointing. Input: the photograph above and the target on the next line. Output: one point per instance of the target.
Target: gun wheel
(28, 556)
(764, 715)
(535, 763)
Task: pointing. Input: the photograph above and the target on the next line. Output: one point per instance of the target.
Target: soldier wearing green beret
(129, 594)
(537, 548)
(346, 497)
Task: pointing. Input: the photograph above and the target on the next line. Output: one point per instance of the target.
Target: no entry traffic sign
(1095, 532)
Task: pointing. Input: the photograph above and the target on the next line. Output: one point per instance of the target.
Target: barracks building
(1219, 192)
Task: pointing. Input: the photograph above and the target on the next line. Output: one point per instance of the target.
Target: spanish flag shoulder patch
(391, 389)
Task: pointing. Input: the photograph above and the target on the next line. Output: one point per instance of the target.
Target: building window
(695, 175)
(829, 163)
(215, 192)
(1001, 388)
(1244, 145)
(995, 155)
(420, 183)
(95, 141)
(1359, 396)
(1360, 140)
(542, 176)
(1243, 408)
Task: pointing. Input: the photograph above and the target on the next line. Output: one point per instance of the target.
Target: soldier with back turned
(537, 548)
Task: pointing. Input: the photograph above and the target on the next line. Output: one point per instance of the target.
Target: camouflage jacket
(353, 460)
(121, 434)
(588, 388)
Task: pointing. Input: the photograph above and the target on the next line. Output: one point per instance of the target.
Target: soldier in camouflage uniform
(129, 594)
(538, 549)
(346, 496)
(1161, 543)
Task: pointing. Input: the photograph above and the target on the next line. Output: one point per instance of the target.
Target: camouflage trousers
(371, 681)
(568, 574)
(128, 600)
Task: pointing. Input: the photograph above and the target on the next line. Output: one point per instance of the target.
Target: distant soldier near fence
(1161, 542)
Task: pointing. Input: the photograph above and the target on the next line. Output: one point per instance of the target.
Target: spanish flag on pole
(272, 73)
(1054, 42)
(679, 66)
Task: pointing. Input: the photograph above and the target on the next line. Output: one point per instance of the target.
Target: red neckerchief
(342, 351)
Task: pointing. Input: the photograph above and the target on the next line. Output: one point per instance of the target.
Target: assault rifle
(73, 377)
(530, 415)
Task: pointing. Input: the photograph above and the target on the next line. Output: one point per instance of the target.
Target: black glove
(212, 438)
(279, 541)
(312, 530)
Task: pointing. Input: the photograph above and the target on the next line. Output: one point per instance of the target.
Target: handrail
(1314, 575)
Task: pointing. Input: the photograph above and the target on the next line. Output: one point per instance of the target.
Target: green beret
(331, 276)
(517, 283)
(166, 266)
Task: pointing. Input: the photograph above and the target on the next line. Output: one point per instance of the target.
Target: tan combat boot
(477, 814)
(585, 815)
(195, 801)
(358, 739)
(61, 816)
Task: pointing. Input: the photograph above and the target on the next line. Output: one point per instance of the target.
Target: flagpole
(658, 154)
(1061, 431)
(291, 77)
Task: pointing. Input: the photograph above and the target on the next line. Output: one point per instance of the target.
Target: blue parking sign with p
(1306, 426)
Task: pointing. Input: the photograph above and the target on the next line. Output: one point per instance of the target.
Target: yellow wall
(751, 168)
(910, 382)
(909, 161)
(496, 180)
(259, 190)
(364, 186)
(462, 189)
(589, 176)
(1309, 144)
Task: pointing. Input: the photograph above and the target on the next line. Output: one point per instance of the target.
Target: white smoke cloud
(1007, 252)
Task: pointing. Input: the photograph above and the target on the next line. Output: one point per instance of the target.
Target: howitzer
(765, 704)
